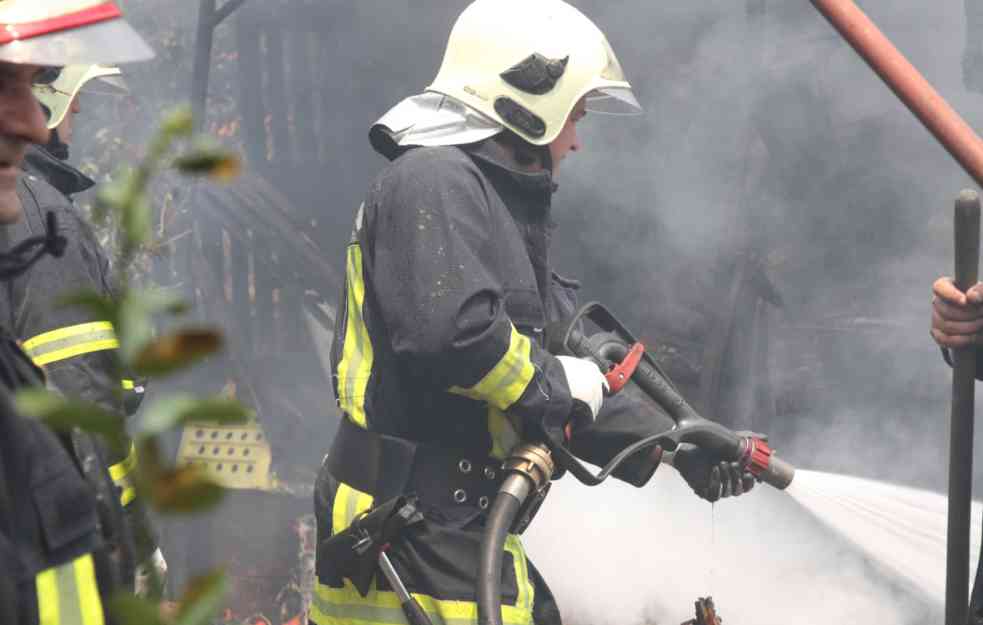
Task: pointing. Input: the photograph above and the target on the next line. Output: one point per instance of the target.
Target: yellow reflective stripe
(90, 604)
(71, 341)
(69, 595)
(47, 588)
(122, 468)
(507, 381)
(120, 473)
(67, 332)
(345, 606)
(504, 434)
(356, 359)
(128, 495)
(348, 503)
(526, 591)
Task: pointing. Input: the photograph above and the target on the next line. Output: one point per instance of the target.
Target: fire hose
(531, 466)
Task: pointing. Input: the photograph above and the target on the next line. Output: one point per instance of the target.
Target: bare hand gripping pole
(907, 83)
(967, 239)
(965, 146)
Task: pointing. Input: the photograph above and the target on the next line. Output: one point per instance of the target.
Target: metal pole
(908, 84)
(967, 241)
(203, 61)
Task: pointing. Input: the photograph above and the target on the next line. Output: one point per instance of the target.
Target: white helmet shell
(67, 32)
(526, 63)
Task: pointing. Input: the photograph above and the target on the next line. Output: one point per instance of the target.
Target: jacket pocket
(66, 508)
(525, 309)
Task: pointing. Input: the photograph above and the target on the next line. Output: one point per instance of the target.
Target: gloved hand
(587, 385)
(710, 478)
(150, 577)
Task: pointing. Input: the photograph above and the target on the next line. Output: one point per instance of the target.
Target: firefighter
(57, 539)
(75, 349)
(439, 364)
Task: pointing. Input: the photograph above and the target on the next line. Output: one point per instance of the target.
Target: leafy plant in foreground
(168, 489)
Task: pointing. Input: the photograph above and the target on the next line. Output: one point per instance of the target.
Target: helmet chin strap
(56, 147)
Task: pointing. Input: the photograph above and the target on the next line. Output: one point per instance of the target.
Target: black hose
(500, 518)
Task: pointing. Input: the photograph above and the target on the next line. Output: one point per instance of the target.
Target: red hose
(908, 84)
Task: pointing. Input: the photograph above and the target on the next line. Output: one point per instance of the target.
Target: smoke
(763, 134)
(644, 556)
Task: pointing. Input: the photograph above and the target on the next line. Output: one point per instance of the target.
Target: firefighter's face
(21, 123)
(568, 141)
(67, 124)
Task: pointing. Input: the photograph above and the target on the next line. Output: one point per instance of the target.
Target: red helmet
(66, 32)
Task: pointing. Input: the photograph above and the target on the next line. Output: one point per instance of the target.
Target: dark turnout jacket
(73, 346)
(61, 546)
(439, 341)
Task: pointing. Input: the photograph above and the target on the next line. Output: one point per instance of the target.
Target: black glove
(710, 478)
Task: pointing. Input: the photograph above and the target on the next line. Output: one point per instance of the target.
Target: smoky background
(767, 149)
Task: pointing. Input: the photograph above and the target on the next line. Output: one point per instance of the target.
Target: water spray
(531, 466)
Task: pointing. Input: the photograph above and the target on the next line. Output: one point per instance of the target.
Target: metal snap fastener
(483, 502)
(464, 466)
(489, 473)
(460, 496)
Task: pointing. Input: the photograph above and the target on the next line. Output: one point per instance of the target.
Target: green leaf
(64, 414)
(212, 162)
(162, 300)
(111, 197)
(133, 327)
(131, 610)
(176, 351)
(136, 220)
(178, 123)
(184, 490)
(171, 412)
(202, 599)
(103, 308)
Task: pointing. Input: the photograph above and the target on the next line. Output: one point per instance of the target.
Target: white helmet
(526, 63)
(65, 32)
(57, 96)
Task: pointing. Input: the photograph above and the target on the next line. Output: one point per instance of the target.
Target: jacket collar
(495, 157)
(57, 173)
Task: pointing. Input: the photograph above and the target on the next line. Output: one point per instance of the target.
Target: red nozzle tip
(757, 456)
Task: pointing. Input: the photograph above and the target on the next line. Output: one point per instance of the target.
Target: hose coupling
(534, 462)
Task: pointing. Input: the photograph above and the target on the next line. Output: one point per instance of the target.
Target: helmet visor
(613, 101)
(108, 42)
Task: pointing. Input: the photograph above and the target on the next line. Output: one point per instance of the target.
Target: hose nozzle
(763, 464)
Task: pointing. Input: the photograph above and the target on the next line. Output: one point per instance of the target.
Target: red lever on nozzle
(620, 373)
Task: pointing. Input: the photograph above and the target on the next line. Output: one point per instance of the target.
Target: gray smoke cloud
(763, 133)
(644, 556)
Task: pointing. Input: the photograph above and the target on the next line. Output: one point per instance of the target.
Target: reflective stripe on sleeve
(69, 595)
(71, 341)
(120, 473)
(357, 356)
(504, 433)
(507, 381)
